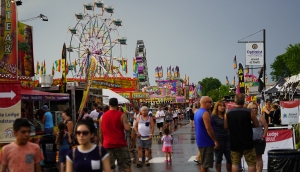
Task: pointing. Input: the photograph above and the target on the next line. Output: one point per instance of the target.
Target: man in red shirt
(112, 135)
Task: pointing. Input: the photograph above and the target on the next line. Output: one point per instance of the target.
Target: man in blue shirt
(47, 120)
(205, 136)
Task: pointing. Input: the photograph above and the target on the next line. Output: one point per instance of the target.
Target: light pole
(264, 54)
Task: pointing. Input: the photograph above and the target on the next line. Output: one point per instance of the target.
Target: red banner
(8, 38)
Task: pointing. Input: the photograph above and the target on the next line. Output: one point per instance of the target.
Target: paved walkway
(184, 151)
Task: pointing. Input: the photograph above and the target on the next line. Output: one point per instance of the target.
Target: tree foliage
(224, 91)
(209, 84)
(279, 68)
(286, 64)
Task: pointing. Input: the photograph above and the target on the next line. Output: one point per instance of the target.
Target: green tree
(224, 90)
(286, 64)
(209, 84)
(279, 68)
(214, 94)
(292, 58)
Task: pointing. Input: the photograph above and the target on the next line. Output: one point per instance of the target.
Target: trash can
(284, 160)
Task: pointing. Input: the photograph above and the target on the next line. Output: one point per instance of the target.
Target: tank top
(258, 132)
(113, 130)
(65, 143)
(66, 122)
(144, 130)
(202, 137)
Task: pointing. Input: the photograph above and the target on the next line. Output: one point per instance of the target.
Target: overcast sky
(198, 36)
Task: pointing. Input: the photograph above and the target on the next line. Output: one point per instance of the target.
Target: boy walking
(21, 155)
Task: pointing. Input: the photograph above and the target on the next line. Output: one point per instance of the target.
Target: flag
(227, 82)
(75, 63)
(44, 69)
(234, 63)
(247, 70)
(53, 69)
(233, 82)
(37, 68)
(41, 69)
(58, 65)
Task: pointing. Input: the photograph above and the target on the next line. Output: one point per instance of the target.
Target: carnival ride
(140, 67)
(96, 35)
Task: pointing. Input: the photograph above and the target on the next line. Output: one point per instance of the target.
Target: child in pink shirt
(167, 145)
(21, 155)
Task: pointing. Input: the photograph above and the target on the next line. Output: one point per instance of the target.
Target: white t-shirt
(94, 114)
(159, 114)
(175, 114)
(134, 121)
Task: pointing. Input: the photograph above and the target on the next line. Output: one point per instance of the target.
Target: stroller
(48, 147)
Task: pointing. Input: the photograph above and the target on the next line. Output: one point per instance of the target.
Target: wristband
(151, 134)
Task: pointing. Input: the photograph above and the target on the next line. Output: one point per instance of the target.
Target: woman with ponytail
(63, 140)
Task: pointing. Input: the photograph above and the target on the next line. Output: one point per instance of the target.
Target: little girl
(167, 146)
(63, 139)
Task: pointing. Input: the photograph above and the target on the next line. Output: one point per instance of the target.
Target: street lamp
(18, 2)
(41, 16)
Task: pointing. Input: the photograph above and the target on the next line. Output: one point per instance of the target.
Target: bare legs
(62, 167)
(259, 163)
(133, 140)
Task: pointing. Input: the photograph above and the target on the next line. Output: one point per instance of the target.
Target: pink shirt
(21, 158)
(167, 140)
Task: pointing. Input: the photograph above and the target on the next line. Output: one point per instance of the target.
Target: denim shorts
(48, 131)
(224, 149)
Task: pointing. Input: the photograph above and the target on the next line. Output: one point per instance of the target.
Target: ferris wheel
(96, 35)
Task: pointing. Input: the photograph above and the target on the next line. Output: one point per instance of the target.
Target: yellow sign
(140, 95)
(125, 95)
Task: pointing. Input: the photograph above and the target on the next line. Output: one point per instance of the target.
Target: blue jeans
(49, 131)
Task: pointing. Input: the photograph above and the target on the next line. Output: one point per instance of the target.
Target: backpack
(100, 154)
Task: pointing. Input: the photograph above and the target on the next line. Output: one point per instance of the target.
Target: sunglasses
(84, 133)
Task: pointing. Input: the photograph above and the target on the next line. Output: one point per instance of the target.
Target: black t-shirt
(240, 129)
(220, 132)
(276, 115)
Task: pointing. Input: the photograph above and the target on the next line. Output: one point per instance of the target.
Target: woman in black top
(191, 113)
(222, 136)
(275, 115)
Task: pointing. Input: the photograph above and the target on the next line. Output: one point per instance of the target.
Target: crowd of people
(101, 139)
(234, 133)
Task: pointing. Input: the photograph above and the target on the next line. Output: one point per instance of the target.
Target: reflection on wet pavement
(184, 151)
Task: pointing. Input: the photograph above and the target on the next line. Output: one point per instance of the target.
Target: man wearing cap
(47, 120)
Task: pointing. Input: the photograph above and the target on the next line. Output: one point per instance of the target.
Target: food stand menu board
(10, 109)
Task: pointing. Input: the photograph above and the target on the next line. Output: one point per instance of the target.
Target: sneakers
(139, 164)
(147, 163)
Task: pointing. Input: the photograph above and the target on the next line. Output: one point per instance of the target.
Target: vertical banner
(25, 50)
(10, 109)
(63, 69)
(255, 54)
(8, 38)
(241, 78)
(289, 112)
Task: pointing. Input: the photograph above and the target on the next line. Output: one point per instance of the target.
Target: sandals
(196, 161)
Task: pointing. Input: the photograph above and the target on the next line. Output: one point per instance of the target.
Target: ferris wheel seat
(123, 40)
(79, 16)
(118, 22)
(89, 6)
(99, 4)
(73, 31)
(109, 9)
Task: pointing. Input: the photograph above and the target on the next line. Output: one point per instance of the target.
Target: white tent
(111, 94)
